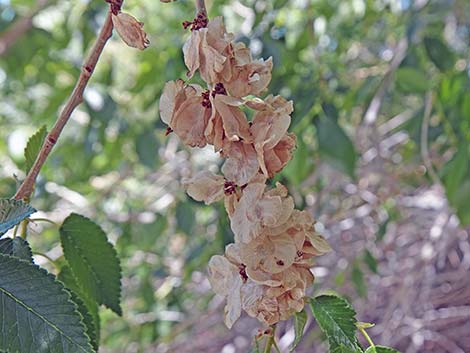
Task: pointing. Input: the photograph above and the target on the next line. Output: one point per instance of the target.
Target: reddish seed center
(169, 130)
(242, 272)
(206, 103)
(219, 89)
(280, 263)
(199, 22)
(230, 187)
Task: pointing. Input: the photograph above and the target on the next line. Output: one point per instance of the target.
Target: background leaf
(300, 319)
(439, 53)
(93, 260)
(335, 146)
(13, 212)
(17, 247)
(33, 146)
(36, 312)
(336, 318)
(411, 80)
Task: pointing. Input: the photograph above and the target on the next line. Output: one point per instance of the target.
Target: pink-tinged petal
(171, 98)
(244, 222)
(190, 121)
(205, 186)
(241, 164)
(191, 50)
(235, 124)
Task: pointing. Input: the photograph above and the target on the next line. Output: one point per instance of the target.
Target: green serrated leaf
(93, 260)
(86, 306)
(36, 314)
(381, 349)
(17, 247)
(337, 319)
(13, 212)
(335, 146)
(33, 147)
(300, 319)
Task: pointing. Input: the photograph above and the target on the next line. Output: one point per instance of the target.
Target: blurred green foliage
(115, 163)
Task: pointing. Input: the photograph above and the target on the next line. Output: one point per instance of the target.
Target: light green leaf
(381, 349)
(34, 146)
(337, 320)
(36, 313)
(93, 260)
(17, 247)
(410, 80)
(87, 307)
(335, 146)
(300, 319)
(13, 212)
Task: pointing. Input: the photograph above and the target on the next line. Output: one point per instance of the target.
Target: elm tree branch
(26, 188)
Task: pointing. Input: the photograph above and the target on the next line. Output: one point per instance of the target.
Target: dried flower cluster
(267, 270)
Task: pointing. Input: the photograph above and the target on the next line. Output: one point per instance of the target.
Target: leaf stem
(76, 97)
(43, 220)
(366, 336)
(48, 258)
(24, 228)
(270, 342)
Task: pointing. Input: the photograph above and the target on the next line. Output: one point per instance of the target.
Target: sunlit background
(381, 91)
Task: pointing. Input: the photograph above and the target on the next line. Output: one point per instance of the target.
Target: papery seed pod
(130, 30)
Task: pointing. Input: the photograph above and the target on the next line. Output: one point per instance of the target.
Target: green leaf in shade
(335, 146)
(337, 319)
(86, 306)
(439, 53)
(185, 216)
(370, 261)
(34, 146)
(17, 247)
(381, 349)
(93, 260)
(301, 164)
(357, 278)
(300, 319)
(147, 145)
(36, 313)
(13, 212)
(456, 179)
(410, 80)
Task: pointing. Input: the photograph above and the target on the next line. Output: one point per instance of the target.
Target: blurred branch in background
(21, 26)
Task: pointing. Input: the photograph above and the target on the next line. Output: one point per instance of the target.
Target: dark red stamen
(219, 89)
(206, 103)
(242, 272)
(230, 187)
(169, 130)
(199, 22)
(280, 263)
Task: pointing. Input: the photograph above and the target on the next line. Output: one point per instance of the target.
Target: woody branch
(76, 97)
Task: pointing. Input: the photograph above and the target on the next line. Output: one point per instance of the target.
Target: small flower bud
(130, 30)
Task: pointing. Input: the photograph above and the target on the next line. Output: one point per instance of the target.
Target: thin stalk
(366, 336)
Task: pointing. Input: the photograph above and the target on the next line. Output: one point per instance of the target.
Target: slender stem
(32, 220)
(48, 258)
(24, 228)
(201, 6)
(74, 100)
(270, 341)
(366, 335)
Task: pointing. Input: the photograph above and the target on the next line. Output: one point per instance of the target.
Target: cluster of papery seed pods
(266, 271)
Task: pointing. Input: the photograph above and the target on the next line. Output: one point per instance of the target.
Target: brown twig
(26, 188)
(20, 27)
